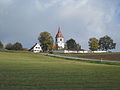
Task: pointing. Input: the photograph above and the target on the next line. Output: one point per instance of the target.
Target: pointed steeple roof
(59, 34)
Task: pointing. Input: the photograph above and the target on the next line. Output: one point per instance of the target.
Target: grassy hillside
(24, 71)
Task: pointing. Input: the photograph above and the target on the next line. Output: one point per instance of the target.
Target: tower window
(60, 39)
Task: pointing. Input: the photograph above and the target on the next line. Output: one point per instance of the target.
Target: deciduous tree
(9, 46)
(17, 46)
(1, 45)
(72, 45)
(106, 43)
(46, 41)
(93, 44)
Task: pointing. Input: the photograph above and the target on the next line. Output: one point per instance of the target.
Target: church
(59, 43)
(59, 40)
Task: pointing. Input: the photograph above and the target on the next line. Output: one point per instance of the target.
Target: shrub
(16, 46)
(9, 46)
(1, 45)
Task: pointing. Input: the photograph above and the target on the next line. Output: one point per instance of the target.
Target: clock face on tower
(61, 40)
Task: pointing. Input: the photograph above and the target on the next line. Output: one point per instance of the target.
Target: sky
(23, 20)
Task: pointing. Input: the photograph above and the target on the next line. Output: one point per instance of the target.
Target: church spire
(59, 34)
(59, 40)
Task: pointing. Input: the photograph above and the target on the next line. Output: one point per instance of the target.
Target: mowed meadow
(29, 71)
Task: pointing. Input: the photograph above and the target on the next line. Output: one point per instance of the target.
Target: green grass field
(28, 71)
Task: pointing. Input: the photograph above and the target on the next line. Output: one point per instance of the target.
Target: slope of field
(28, 71)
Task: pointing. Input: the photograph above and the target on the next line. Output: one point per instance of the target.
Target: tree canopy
(1, 45)
(93, 44)
(9, 46)
(46, 41)
(16, 46)
(72, 45)
(106, 43)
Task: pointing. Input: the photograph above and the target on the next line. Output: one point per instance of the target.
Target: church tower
(59, 40)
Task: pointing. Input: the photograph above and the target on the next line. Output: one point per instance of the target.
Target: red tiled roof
(59, 34)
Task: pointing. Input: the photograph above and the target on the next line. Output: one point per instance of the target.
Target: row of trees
(47, 42)
(15, 46)
(104, 43)
(10, 46)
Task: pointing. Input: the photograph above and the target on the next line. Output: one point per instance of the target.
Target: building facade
(36, 48)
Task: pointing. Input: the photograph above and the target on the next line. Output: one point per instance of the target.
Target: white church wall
(60, 42)
(99, 51)
(69, 51)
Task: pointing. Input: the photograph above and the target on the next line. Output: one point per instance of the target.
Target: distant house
(36, 48)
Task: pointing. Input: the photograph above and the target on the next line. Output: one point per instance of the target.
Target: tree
(46, 41)
(65, 48)
(106, 43)
(54, 47)
(72, 45)
(1, 45)
(9, 46)
(93, 44)
(17, 46)
(78, 47)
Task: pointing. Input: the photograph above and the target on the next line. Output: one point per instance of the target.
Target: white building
(59, 40)
(36, 48)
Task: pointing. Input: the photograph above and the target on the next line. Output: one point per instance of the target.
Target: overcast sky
(23, 20)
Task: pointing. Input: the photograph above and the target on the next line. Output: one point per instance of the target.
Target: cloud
(43, 5)
(98, 18)
(4, 5)
(94, 14)
(6, 1)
